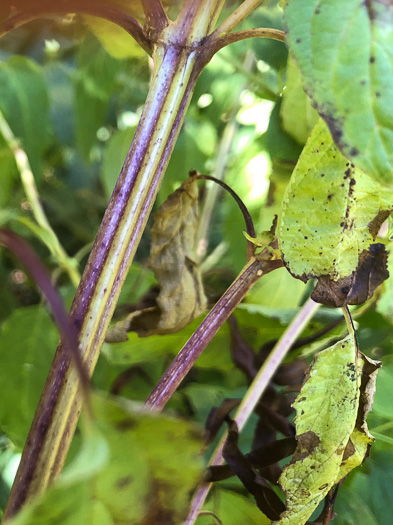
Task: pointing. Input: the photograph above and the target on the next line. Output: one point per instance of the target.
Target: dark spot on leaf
(352, 182)
(347, 173)
(126, 424)
(298, 40)
(378, 94)
(360, 285)
(372, 60)
(323, 486)
(354, 152)
(124, 482)
(307, 443)
(330, 196)
(322, 174)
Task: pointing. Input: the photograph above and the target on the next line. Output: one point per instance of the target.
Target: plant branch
(27, 177)
(31, 261)
(87, 7)
(231, 38)
(255, 392)
(190, 352)
(236, 18)
(177, 68)
(243, 208)
(220, 166)
(155, 17)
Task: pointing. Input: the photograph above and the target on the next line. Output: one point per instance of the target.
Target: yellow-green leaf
(330, 216)
(297, 115)
(331, 427)
(327, 408)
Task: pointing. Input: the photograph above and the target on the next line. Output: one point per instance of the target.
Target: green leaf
(24, 103)
(330, 215)
(297, 115)
(115, 152)
(28, 339)
(136, 468)
(327, 408)
(343, 50)
(95, 81)
(8, 172)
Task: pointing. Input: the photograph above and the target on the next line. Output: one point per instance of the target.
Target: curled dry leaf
(331, 431)
(330, 216)
(181, 297)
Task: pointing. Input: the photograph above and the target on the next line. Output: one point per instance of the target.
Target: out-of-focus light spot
(103, 134)
(128, 119)
(18, 277)
(255, 111)
(52, 47)
(10, 469)
(205, 100)
(257, 171)
(25, 205)
(263, 66)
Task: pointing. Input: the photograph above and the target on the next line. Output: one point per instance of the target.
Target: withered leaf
(267, 500)
(360, 285)
(181, 297)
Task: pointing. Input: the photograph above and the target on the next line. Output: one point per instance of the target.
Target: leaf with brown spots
(330, 215)
(327, 409)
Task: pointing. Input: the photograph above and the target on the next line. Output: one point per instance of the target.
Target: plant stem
(263, 32)
(220, 166)
(87, 7)
(27, 177)
(176, 71)
(190, 352)
(255, 392)
(155, 17)
(237, 17)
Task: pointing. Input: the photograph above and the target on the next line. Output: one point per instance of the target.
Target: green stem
(255, 392)
(220, 167)
(176, 71)
(236, 18)
(27, 178)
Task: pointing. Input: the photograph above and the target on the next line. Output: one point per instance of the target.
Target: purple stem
(190, 352)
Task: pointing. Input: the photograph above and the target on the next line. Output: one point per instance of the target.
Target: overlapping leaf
(330, 426)
(331, 214)
(136, 468)
(344, 51)
(297, 115)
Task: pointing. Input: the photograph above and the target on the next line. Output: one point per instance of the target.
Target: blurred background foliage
(72, 95)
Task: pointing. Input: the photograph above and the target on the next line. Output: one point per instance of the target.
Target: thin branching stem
(190, 352)
(236, 18)
(263, 32)
(87, 7)
(32, 262)
(155, 17)
(51, 240)
(255, 392)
